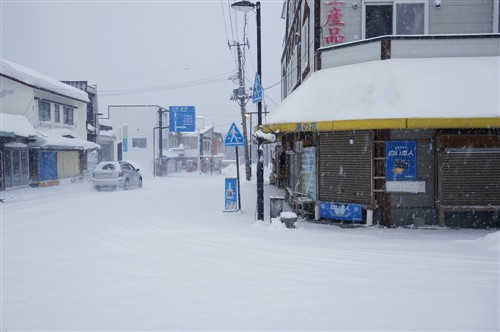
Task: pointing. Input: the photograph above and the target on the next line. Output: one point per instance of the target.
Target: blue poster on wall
(400, 160)
(341, 211)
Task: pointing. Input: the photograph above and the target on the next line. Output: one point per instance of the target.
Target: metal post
(238, 177)
(260, 156)
(160, 141)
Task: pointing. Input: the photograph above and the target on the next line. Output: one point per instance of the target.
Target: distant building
(43, 129)
(204, 146)
(137, 132)
(99, 130)
(390, 111)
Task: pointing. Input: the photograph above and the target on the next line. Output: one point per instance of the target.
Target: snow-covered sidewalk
(165, 257)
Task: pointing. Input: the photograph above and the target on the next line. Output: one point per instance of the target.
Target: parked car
(116, 174)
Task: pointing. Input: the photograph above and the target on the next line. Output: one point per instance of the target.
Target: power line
(204, 81)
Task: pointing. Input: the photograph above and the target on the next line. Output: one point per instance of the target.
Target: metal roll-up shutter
(470, 176)
(344, 167)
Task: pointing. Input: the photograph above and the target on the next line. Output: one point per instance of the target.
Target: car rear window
(108, 167)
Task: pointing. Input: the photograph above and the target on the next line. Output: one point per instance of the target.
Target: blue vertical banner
(125, 145)
(400, 160)
(231, 192)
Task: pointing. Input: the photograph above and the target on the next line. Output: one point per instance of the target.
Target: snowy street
(165, 257)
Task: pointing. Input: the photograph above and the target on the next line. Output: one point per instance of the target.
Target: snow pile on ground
(165, 257)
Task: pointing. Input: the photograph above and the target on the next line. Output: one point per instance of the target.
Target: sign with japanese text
(400, 160)
(306, 126)
(332, 27)
(182, 118)
(341, 211)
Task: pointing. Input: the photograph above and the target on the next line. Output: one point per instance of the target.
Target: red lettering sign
(334, 22)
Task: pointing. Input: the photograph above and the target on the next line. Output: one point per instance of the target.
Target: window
(378, 20)
(400, 17)
(139, 143)
(68, 115)
(410, 19)
(43, 110)
(57, 113)
(304, 45)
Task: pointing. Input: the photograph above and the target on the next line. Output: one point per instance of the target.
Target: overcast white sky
(146, 52)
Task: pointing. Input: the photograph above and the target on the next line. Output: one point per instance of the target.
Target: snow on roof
(38, 80)
(58, 138)
(396, 89)
(106, 132)
(18, 125)
(195, 133)
(169, 153)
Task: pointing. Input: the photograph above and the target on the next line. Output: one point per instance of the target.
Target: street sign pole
(238, 178)
(234, 138)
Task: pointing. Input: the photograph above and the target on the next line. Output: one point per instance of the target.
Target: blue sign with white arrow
(182, 118)
(257, 90)
(234, 137)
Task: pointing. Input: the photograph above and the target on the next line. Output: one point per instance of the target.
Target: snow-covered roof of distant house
(61, 138)
(397, 93)
(40, 81)
(169, 153)
(195, 133)
(107, 124)
(15, 125)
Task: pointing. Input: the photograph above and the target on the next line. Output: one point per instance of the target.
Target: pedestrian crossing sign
(257, 90)
(234, 137)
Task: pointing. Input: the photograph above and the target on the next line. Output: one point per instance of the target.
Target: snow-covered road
(165, 257)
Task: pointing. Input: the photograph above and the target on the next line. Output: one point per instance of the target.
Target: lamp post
(246, 6)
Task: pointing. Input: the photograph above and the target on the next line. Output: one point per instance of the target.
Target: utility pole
(160, 140)
(260, 155)
(241, 97)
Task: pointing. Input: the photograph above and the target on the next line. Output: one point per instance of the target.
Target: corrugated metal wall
(345, 169)
(470, 176)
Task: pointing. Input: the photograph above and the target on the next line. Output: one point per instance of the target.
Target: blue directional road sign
(257, 90)
(182, 118)
(234, 137)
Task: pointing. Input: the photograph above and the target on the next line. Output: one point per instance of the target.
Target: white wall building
(56, 112)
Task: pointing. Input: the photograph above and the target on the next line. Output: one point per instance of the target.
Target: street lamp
(246, 6)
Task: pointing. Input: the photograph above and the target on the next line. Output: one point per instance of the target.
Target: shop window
(16, 170)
